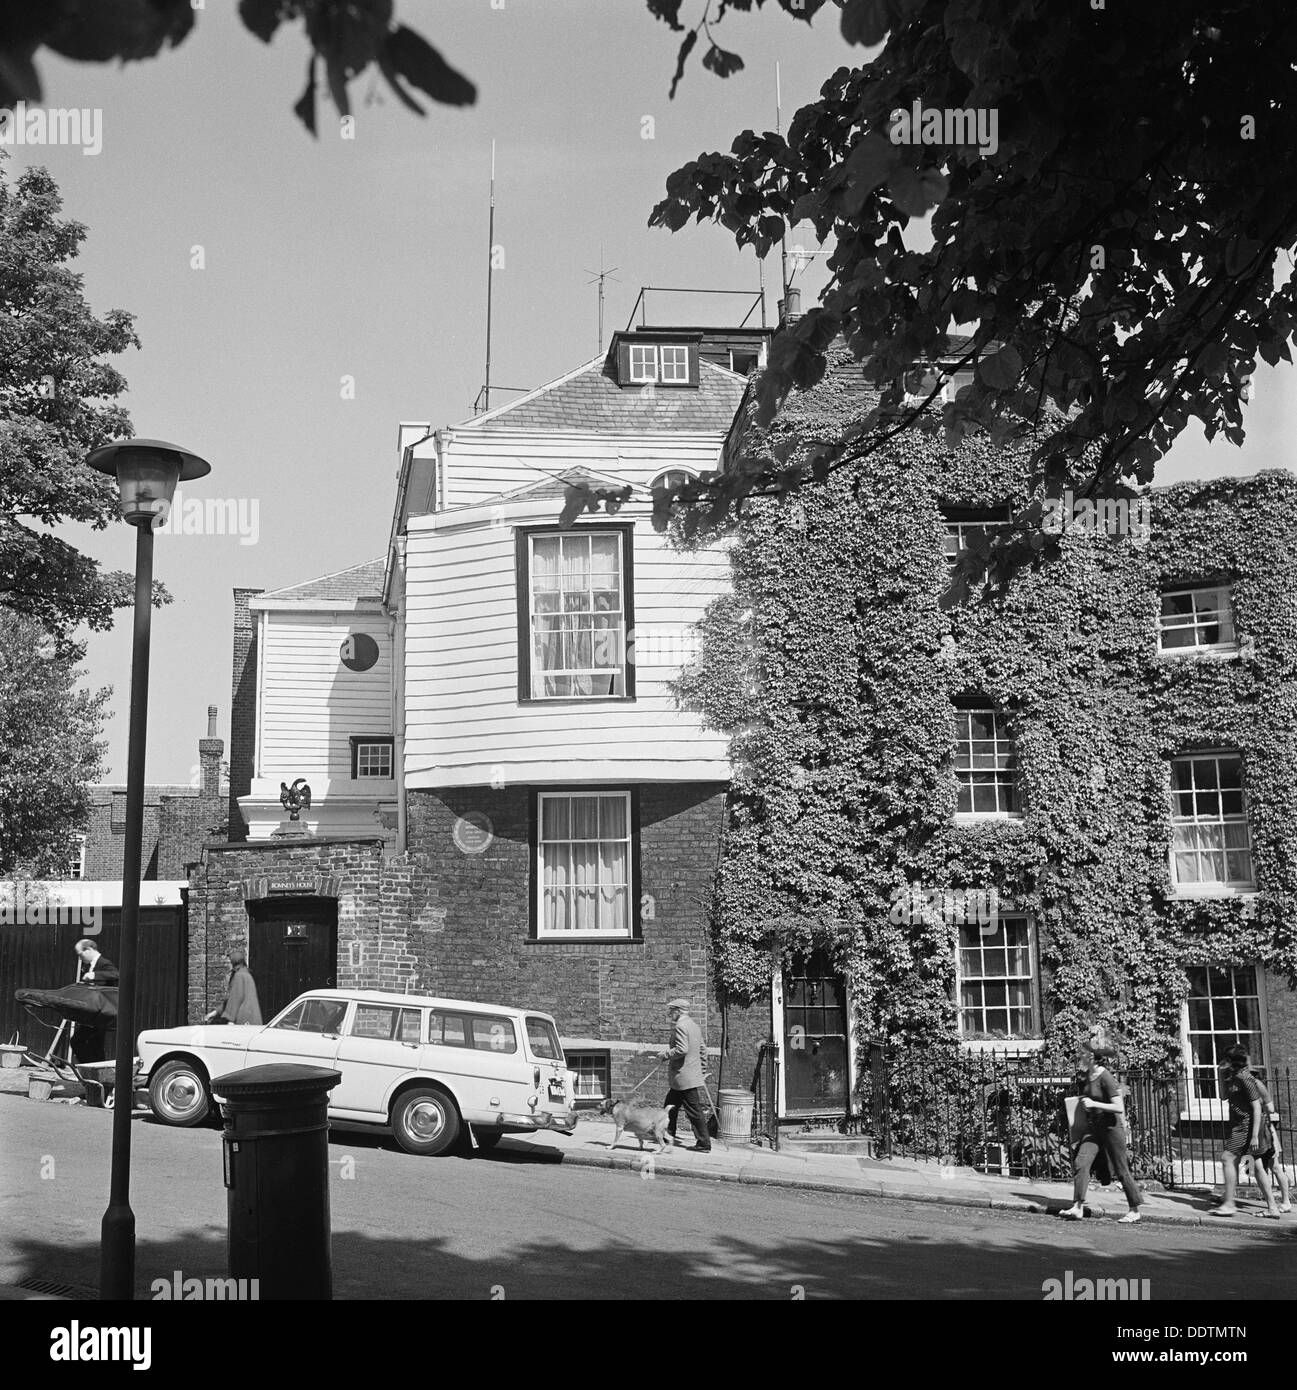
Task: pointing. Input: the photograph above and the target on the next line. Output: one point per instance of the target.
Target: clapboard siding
(311, 704)
(463, 716)
(481, 467)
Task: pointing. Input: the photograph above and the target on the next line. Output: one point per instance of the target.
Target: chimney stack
(210, 750)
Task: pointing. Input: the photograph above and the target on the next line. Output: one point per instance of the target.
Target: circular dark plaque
(358, 652)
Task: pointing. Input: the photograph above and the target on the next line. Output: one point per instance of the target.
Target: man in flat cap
(685, 1073)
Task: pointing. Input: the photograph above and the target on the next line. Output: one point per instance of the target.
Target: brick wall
(219, 918)
(243, 709)
(469, 921)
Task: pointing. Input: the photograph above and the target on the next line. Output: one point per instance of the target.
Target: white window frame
(79, 857)
(537, 671)
(959, 527)
(388, 747)
(1211, 888)
(665, 363)
(648, 362)
(1211, 1107)
(1000, 736)
(956, 378)
(1224, 596)
(1028, 1042)
(661, 480)
(626, 933)
(604, 1061)
(673, 363)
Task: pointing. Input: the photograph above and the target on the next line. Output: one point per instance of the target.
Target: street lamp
(147, 471)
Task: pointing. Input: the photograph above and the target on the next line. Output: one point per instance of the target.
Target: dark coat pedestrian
(685, 1074)
(240, 1004)
(1104, 1134)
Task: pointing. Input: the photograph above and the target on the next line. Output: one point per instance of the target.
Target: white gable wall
(464, 723)
(310, 703)
(479, 465)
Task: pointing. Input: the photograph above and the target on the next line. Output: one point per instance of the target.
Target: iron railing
(765, 1092)
(1001, 1112)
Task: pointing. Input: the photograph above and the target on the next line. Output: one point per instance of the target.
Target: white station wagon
(421, 1067)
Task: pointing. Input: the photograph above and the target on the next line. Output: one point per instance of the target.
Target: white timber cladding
(310, 703)
(464, 722)
(478, 466)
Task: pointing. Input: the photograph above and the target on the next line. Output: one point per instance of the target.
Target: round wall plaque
(359, 652)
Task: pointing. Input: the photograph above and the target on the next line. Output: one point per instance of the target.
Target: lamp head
(147, 471)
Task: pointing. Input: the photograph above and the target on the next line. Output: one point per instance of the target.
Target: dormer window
(664, 362)
(647, 359)
(672, 478)
(921, 384)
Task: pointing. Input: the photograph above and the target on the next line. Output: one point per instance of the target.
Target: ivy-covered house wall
(842, 683)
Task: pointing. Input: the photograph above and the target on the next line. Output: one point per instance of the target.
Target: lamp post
(147, 471)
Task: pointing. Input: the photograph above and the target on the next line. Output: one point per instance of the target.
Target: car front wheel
(425, 1122)
(178, 1094)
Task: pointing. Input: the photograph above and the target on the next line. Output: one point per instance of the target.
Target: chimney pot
(211, 721)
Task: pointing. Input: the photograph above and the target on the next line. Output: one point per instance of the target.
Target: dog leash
(706, 1090)
(647, 1079)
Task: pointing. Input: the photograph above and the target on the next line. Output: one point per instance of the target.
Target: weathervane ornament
(296, 798)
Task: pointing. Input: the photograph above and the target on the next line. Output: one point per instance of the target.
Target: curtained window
(584, 879)
(1211, 847)
(577, 615)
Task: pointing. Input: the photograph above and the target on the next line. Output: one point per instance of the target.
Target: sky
(296, 299)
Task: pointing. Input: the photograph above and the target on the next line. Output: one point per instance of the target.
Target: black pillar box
(277, 1175)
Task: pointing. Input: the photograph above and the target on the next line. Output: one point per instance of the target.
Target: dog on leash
(641, 1118)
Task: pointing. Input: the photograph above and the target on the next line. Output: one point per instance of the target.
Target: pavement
(909, 1180)
(844, 1174)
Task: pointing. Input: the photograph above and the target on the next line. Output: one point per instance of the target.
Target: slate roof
(360, 581)
(589, 400)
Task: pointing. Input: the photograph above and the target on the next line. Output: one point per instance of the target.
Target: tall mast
(490, 271)
(783, 243)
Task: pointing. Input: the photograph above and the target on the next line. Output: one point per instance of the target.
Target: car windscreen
(313, 1016)
(543, 1040)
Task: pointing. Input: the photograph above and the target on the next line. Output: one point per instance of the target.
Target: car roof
(416, 1001)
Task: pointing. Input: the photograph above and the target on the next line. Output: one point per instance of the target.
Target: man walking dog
(685, 1073)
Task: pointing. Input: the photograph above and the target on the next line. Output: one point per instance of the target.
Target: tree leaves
(261, 17)
(1001, 370)
(347, 36)
(867, 21)
(47, 332)
(422, 66)
(686, 48)
(722, 63)
(668, 11)
(1099, 216)
(304, 107)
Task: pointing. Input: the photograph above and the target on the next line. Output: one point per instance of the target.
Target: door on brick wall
(292, 947)
(815, 1038)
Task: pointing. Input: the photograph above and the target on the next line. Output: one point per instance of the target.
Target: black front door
(292, 947)
(815, 1038)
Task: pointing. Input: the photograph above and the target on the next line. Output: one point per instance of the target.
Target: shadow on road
(909, 1265)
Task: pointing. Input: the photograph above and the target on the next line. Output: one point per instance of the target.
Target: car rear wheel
(487, 1138)
(425, 1121)
(178, 1094)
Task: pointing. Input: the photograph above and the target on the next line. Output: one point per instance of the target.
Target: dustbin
(736, 1116)
(277, 1174)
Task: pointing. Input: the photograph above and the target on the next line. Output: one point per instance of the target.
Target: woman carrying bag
(1101, 1129)
(241, 1004)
